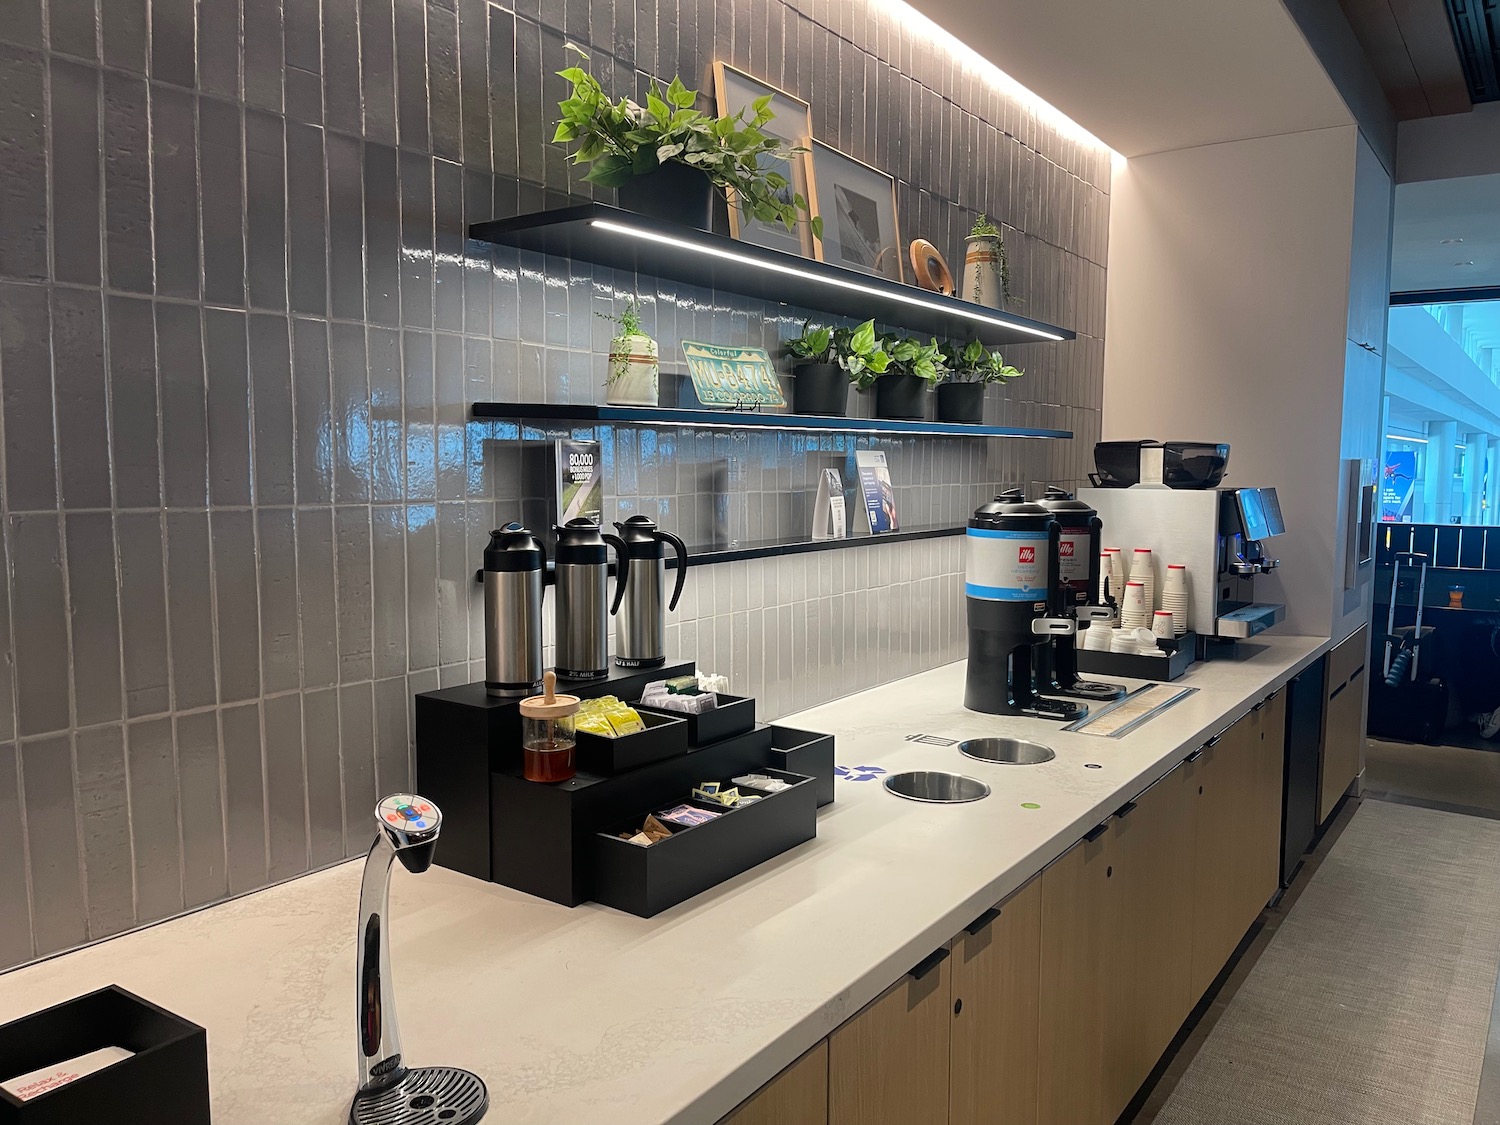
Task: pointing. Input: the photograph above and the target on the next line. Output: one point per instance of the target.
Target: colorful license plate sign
(732, 376)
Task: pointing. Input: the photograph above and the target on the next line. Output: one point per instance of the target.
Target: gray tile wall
(240, 329)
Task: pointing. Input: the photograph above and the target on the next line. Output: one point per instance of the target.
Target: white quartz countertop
(592, 1017)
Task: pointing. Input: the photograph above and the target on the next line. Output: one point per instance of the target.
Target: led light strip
(920, 24)
(836, 282)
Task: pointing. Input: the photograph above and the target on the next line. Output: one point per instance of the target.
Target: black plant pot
(674, 193)
(901, 396)
(820, 388)
(960, 402)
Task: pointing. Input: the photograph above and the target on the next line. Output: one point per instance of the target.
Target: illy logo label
(1028, 554)
(1065, 549)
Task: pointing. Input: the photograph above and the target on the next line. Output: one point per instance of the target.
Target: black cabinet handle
(1125, 810)
(1198, 753)
(1215, 740)
(1335, 693)
(928, 963)
(1357, 673)
(979, 924)
(1094, 833)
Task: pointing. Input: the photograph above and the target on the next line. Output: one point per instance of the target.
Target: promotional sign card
(828, 508)
(580, 481)
(875, 486)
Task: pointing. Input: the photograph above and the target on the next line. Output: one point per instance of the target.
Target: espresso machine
(1077, 584)
(1010, 587)
(1223, 537)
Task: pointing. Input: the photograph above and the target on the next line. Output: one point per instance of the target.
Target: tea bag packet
(761, 781)
(687, 815)
(651, 832)
(709, 682)
(713, 791)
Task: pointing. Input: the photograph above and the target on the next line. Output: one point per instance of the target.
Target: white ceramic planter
(632, 371)
(981, 283)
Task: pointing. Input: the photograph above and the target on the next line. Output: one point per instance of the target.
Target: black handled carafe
(640, 605)
(580, 602)
(515, 563)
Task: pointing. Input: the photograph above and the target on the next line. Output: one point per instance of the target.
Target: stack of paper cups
(1175, 597)
(1143, 570)
(1116, 573)
(1162, 624)
(1096, 637)
(1135, 611)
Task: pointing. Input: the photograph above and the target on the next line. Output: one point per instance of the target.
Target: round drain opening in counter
(1007, 751)
(936, 787)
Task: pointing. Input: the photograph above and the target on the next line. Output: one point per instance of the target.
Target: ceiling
(1430, 211)
(1410, 44)
(1154, 75)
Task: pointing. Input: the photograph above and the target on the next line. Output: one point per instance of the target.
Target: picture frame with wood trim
(857, 204)
(734, 90)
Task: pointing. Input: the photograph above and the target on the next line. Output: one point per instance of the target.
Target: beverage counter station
(589, 1015)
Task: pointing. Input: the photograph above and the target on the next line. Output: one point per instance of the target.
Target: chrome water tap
(389, 1092)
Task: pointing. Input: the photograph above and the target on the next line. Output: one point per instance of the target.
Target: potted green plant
(819, 384)
(631, 378)
(986, 268)
(666, 158)
(970, 369)
(913, 370)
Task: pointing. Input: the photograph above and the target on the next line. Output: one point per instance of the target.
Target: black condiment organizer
(165, 1082)
(665, 736)
(734, 714)
(541, 838)
(647, 879)
(806, 752)
(1094, 662)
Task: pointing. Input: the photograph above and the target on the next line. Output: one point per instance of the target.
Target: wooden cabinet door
(1263, 843)
(796, 1096)
(996, 981)
(1343, 738)
(889, 1064)
(1074, 899)
(1214, 779)
(1146, 986)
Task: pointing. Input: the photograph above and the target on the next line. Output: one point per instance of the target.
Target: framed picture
(735, 90)
(858, 206)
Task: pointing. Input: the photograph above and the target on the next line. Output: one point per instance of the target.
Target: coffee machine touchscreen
(1252, 514)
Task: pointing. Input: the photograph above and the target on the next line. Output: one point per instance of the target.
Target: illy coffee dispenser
(1077, 581)
(1011, 576)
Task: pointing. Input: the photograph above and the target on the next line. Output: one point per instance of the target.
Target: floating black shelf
(771, 548)
(733, 419)
(609, 236)
(707, 556)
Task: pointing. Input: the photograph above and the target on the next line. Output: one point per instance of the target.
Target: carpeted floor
(1371, 1004)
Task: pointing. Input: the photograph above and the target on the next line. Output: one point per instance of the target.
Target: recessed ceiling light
(1450, 241)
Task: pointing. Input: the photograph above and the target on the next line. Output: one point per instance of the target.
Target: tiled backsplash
(240, 331)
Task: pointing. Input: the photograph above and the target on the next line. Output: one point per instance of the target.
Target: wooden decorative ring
(930, 268)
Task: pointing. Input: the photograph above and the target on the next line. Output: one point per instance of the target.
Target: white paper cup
(1161, 624)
